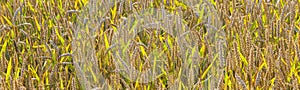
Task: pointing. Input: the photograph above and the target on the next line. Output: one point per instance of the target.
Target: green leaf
(33, 71)
(60, 38)
(264, 64)
(3, 48)
(202, 50)
(9, 68)
(273, 81)
(30, 7)
(242, 57)
(106, 41)
(208, 68)
(37, 24)
(7, 20)
(244, 60)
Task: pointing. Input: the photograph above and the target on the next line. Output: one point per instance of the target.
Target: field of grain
(149, 44)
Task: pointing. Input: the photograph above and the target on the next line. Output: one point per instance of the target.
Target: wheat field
(149, 44)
